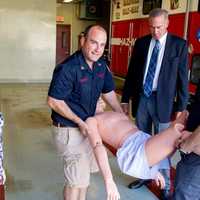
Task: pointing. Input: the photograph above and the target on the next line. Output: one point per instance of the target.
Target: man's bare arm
(63, 109)
(111, 99)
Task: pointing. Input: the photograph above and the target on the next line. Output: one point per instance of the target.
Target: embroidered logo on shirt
(84, 79)
(100, 75)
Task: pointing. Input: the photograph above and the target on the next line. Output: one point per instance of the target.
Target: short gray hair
(158, 12)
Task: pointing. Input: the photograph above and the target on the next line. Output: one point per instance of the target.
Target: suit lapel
(166, 55)
(165, 65)
(145, 50)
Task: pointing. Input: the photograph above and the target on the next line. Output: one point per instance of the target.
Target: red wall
(120, 53)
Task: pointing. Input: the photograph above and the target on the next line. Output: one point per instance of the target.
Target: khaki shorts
(77, 154)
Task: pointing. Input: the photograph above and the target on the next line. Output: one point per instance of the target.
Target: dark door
(62, 42)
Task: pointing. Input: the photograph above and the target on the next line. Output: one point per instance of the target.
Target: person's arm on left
(111, 99)
(191, 143)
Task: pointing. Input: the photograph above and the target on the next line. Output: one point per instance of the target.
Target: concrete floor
(33, 169)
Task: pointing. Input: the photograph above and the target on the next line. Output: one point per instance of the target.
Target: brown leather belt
(58, 124)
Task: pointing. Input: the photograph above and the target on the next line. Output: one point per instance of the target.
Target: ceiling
(74, 1)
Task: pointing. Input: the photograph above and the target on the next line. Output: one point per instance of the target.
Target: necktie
(151, 70)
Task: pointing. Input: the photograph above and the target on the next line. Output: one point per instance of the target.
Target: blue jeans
(187, 180)
(147, 117)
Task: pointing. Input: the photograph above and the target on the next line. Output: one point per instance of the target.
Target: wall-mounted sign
(117, 15)
(129, 2)
(130, 10)
(60, 19)
(174, 4)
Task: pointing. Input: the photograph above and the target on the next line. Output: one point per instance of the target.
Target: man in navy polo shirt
(75, 88)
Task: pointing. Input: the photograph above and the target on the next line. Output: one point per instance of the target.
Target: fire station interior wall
(135, 25)
(27, 38)
(126, 10)
(70, 12)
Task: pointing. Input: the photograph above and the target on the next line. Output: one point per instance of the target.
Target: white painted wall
(27, 40)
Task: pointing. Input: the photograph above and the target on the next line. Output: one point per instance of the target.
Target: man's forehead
(97, 37)
(157, 22)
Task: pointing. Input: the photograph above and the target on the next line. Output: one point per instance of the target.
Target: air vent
(91, 10)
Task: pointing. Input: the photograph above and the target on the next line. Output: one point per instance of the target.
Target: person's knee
(82, 195)
(72, 193)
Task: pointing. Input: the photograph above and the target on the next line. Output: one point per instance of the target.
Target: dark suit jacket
(192, 159)
(172, 81)
(193, 120)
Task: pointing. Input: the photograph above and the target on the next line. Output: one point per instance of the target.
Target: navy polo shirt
(79, 86)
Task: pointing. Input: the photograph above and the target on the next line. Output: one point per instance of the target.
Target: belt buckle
(56, 124)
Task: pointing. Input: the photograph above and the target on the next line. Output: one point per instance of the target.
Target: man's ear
(82, 41)
(166, 23)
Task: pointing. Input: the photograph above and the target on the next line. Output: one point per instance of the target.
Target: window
(148, 5)
(64, 40)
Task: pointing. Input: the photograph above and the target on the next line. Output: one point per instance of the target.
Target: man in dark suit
(157, 77)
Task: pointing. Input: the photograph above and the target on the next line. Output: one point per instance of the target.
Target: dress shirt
(162, 41)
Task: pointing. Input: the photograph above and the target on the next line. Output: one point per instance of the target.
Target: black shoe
(138, 183)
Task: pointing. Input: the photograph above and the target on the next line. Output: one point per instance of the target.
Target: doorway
(62, 42)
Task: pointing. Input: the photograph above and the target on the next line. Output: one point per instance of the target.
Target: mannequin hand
(111, 189)
(160, 181)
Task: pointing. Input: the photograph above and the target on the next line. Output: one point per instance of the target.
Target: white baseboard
(25, 81)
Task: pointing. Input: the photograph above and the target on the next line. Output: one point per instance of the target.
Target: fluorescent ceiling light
(67, 1)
